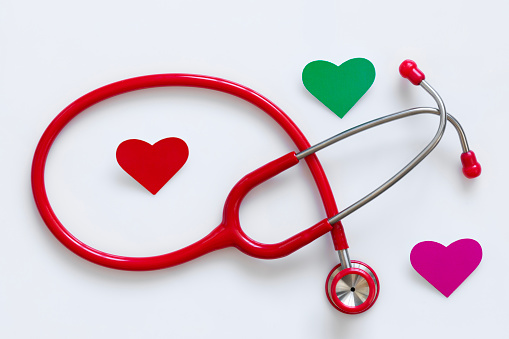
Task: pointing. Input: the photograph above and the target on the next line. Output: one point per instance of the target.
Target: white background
(52, 52)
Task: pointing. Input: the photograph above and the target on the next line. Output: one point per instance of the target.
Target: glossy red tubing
(231, 215)
(222, 236)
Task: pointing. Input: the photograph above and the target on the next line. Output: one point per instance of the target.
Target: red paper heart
(152, 165)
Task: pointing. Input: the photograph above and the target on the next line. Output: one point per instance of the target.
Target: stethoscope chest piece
(352, 290)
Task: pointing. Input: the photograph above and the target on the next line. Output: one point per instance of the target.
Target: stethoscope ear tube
(408, 69)
(405, 170)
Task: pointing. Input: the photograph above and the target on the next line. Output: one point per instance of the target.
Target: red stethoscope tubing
(229, 232)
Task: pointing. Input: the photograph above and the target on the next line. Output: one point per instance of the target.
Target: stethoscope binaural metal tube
(383, 120)
(395, 116)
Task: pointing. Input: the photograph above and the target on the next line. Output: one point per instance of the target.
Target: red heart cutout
(152, 165)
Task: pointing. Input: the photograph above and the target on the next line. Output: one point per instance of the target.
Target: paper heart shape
(152, 165)
(339, 87)
(446, 267)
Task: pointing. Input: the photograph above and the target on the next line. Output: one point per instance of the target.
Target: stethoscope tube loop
(218, 238)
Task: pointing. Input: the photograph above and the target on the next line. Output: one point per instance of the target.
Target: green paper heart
(339, 87)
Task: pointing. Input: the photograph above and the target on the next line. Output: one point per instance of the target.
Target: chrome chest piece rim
(351, 292)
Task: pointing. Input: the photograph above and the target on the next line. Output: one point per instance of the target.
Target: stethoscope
(351, 286)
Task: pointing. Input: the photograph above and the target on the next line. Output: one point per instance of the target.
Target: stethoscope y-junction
(352, 286)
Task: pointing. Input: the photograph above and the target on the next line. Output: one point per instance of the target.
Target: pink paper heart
(152, 165)
(446, 267)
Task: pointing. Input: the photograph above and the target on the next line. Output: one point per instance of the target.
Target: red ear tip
(406, 67)
(408, 70)
(472, 172)
(471, 168)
